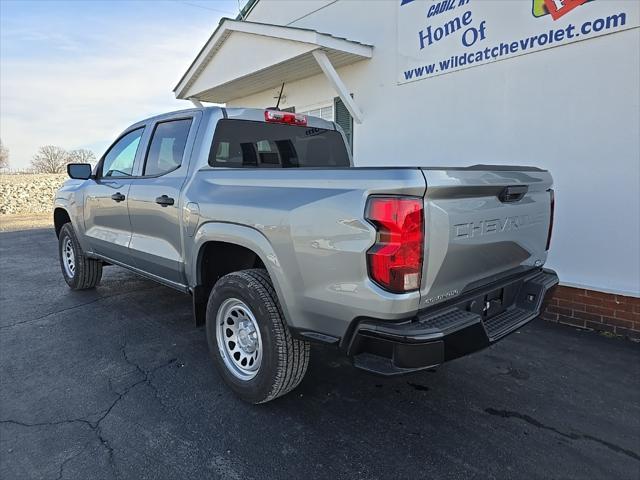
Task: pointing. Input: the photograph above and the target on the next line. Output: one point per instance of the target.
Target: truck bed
(314, 221)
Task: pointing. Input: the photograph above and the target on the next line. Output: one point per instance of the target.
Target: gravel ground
(117, 383)
(25, 221)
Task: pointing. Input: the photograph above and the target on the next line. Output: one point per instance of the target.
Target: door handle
(165, 201)
(513, 193)
(118, 197)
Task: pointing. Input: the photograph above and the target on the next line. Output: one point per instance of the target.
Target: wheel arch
(217, 258)
(60, 217)
(242, 247)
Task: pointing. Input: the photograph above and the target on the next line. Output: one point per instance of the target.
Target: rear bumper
(468, 323)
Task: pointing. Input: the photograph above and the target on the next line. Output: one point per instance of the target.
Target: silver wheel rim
(239, 340)
(68, 257)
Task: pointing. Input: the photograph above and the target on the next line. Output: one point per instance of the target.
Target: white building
(462, 82)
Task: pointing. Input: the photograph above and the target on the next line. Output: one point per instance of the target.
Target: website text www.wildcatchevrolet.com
(511, 48)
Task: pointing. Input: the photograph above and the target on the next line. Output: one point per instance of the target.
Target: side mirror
(79, 171)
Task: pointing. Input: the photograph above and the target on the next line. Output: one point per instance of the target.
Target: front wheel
(248, 338)
(79, 271)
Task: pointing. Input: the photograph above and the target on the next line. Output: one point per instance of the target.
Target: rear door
(482, 223)
(106, 214)
(154, 198)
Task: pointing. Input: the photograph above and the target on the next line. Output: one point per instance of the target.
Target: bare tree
(50, 159)
(82, 155)
(4, 156)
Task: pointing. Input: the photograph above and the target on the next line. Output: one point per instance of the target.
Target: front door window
(118, 162)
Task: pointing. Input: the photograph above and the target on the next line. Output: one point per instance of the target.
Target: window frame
(150, 141)
(100, 166)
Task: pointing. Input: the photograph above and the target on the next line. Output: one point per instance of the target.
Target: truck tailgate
(482, 223)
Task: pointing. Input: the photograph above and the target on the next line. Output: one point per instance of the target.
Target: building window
(325, 113)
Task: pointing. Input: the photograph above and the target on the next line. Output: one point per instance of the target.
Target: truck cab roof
(236, 113)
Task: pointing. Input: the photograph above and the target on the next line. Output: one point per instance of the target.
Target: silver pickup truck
(261, 217)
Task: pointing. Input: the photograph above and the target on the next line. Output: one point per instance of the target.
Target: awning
(242, 58)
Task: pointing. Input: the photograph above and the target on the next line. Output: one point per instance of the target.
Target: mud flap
(199, 302)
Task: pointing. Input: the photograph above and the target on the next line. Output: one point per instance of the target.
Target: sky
(77, 73)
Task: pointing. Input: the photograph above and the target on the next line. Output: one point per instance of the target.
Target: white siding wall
(574, 110)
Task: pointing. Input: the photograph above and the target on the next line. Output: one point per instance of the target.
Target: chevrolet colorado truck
(262, 218)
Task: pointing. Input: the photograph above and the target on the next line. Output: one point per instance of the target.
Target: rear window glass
(243, 143)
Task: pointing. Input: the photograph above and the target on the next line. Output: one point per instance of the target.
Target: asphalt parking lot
(117, 383)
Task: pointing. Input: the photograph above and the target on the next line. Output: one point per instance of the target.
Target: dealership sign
(442, 36)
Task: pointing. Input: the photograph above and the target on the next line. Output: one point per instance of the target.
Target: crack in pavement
(95, 426)
(68, 459)
(148, 379)
(76, 306)
(571, 436)
(166, 405)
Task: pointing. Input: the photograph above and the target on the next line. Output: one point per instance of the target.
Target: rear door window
(243, 143)
(167, 147)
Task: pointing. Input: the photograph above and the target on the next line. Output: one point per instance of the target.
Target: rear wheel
(79, 271)
(249, 341)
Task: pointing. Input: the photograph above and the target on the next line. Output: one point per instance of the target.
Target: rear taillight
(553, 207)
(395, 260)
(276, 116)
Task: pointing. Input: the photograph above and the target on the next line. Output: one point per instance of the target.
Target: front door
(106, 215)
(154, 201)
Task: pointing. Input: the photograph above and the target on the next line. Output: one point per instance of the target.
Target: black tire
(284, 358)
(88, 271)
